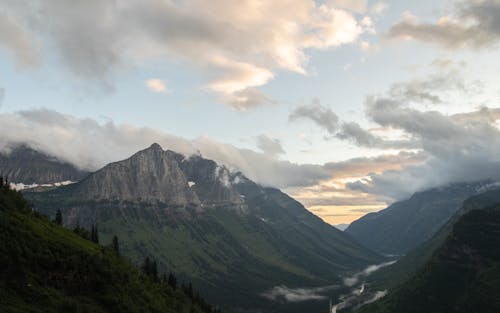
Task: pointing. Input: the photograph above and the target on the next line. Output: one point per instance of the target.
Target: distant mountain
(25, 165)
(341, 227)
(45, 268)
(232, 237)
(406, 224)
(463, 273)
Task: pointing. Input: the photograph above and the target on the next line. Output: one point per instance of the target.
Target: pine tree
(189, 291)
(146, 266)
(154, 270)
(172, 281)
(94, 234)
(58, 219)
(115, 245)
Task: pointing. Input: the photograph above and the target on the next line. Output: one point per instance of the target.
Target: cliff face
(28, 166)
(157, 176)
(150, 175)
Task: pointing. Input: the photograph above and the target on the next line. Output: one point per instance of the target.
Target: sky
(346, 105)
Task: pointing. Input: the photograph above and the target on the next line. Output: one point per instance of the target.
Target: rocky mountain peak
(164, 176)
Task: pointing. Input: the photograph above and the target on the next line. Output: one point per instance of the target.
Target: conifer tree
(154, 270)
(58, 218)
(94, 234)
(146, 266)
(115, 245)
(172, 281)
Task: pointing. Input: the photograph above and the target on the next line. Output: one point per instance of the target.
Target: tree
(58, 218)
(154, 270)
(146, 266)
(189, 291)
(94, 234)
(115, 245)
(172, 281)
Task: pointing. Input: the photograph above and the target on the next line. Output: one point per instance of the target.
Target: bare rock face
(157, 176)
(28, 166)
(215, 185)
(150, 175)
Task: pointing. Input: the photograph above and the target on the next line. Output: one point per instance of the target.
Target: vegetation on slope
(462, 276)
(47, 268)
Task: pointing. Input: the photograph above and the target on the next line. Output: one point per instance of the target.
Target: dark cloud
(351, 131)
(319, 114)
(464, 147)
(326, 119)
(474, 24)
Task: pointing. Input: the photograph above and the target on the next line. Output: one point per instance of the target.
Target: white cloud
(358, 6)
(90, 145)
(379, 7)
(292, 295)
(156, 85)
(239, 44)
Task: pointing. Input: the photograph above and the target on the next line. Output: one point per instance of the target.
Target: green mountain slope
(406, 224)
(463, 275)
(233, 238)
(47, 268)
(409, 264)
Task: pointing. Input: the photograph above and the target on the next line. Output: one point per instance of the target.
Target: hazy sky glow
(347, 105)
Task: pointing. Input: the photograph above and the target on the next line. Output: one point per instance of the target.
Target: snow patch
(21, 186)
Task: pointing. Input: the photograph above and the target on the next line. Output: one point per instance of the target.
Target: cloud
(461, 147)
(90, 145)
(358, 6)
(238, 46)
(237, 84)
(474, 24)
(2, 95)
(354, 279)
(326, 119)
(319, 114)
(335, 192)
(379, 7)
(156, 85)
(353, 132)
(271, 147)
(292, 295)
(20, 42)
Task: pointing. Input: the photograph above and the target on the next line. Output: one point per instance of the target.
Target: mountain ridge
(406, 224)
(25, 165)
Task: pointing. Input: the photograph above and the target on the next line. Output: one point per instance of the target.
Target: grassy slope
(47, 268)
(462, 276)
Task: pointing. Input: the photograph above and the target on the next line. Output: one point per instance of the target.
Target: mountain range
(233, 238)
(405, 225)
(463, 272)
